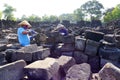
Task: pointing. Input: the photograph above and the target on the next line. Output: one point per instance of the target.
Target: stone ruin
(84, 54)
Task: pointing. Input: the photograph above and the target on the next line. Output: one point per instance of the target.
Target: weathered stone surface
(104, 61)
(91, 48)
(57, 52)
(109, 72)
(69, 39)
(109, 38)
(110, 54)
(12, 71)
(80, 57)
(30, 48)
(31, 53)
(42, 69)
(67, 47)
(27, 56)
(13, 46)
(9, 54)
(80, 43)
(40, 54)
(67, 53)
(3, 47)
(2, 57)
(65, 63)
(12, 38)
(94, 63)
(79, 72)
(94, 35)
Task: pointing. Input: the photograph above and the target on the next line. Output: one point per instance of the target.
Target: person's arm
(25, 32)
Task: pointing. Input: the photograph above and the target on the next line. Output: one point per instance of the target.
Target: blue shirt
(23, 38)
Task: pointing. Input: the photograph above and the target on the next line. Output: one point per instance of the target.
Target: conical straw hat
(24, 23)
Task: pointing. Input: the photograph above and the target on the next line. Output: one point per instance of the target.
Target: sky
(49, 7)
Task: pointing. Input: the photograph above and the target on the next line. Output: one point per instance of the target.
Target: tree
(113, 15)
(50, 18)
(79, 15)
(45, 18)
(8, 12)
(34, 18)
(24, 17)
(93, 9)
(108, 17)
(69, 17)
(116, 12)
(53, 18)
(0, 14)
(108, 10)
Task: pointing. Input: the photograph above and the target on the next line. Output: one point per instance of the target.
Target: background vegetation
(91, 10)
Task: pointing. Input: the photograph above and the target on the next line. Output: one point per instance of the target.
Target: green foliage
(0, 15)
(113, 15)
(8, 12)
(51, 18)
(69, 17)
(79, 15)
(45, 18)
(93, 9)
(34, 18)
(23, 18)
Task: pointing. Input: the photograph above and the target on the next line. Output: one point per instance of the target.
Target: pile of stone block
(86, 51)
(28, 53)
(63, 68)
(68, 46)
(110, 55)
(12, 38)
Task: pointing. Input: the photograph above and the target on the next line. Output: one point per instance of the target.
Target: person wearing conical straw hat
(23, 32)
(62, 29)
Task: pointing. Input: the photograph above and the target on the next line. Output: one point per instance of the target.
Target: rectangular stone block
(67, 53)
(65, 63)
(42, 69)
(104, 61)
(80, 43)
(69, 39)
(80, 57)
(22, 55)
(79, 72)
(12, 71)
(40, 54)
(91, 48)
(68, 47)
(110, 53)
(109, 72)
(30, 48)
